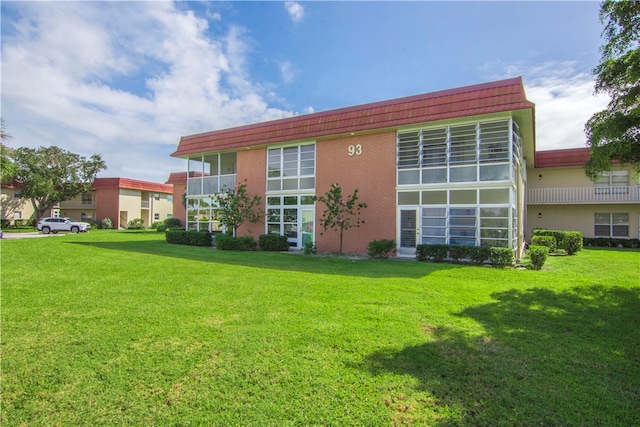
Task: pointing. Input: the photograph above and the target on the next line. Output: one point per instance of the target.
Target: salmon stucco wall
(107, 205)
(251, 166)
(363, 162)
(179, 210)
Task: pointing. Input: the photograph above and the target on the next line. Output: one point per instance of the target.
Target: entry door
(409, 232)
(307, 227)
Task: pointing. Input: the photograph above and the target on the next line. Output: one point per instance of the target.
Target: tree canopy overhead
(50, 175)
(614, 134)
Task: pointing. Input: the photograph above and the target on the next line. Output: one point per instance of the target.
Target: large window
(463, 216)
(285, 216)
(615, 182)
(291, 168)
(459, 153)
(611, 225)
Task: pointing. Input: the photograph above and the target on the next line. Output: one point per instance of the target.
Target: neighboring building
(179, 182)
(13, 206)
(561, 197)
(443, 167)
(120, 199)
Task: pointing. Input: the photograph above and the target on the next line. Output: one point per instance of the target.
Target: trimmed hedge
(570, 241)
(435, 253)
(191, 237)
(548, 241)
(381, 248)
(173, 222)
(273, 242)
(227, 242)
(538, 256)
(501, 257)
(478, 255)
(611, 242)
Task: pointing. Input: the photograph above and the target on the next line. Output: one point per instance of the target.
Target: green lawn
(122, 328)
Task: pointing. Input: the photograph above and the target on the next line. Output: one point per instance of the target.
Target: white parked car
(53, 225)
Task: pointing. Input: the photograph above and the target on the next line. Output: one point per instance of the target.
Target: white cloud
(295, 11)
(287, 72)
(564, 98)
(72, 74)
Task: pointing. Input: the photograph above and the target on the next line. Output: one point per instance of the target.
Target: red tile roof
(132, 184)
(181, 177)
(494, 97)
(562, 158)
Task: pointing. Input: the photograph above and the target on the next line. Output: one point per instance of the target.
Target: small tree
(235, 207)
(341, 212)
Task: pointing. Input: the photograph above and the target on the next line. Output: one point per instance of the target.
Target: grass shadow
(320, 264)
(569, 358)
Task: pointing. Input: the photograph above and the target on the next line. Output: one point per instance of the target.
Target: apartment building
(120, 199)
(560, 196)
(13, 207)
(442, 167)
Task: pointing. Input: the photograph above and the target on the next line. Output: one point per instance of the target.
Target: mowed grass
(122, 328)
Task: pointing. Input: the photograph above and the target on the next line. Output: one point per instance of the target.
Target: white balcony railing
(76, 204)
(210, 184)
(623, 194)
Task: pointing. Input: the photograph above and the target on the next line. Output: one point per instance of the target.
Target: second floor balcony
(210, 184)
(583, 195)
(76, 204)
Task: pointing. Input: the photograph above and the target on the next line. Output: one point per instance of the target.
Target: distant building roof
(181, 177)
(562, 158)
(132, 184)
(494, 97)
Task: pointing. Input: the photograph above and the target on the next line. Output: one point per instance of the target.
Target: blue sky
(127, 79)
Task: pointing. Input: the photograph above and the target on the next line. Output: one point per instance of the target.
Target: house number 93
(354, 150)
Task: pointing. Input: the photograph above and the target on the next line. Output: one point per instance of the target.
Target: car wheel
(46, 230)
(74, 229)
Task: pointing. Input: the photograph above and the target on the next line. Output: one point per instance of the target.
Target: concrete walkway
(10, 236)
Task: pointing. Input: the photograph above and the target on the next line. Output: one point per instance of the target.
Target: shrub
(273, 242)
(227, 242)
(106, 223)
(135, 224)
(501, 257)
(557, 234)
(478, 254)
(310, 248)
(572, 242)
(173, 222)
(20, 223)
(538, 256)
(611, 242)
(548, 241)
(381, 248)
(191, 237)
(161, 228)
(5, 223)
(178, 237)
(156, 224)
(198, 238)
(457, 252)
(435, 253)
